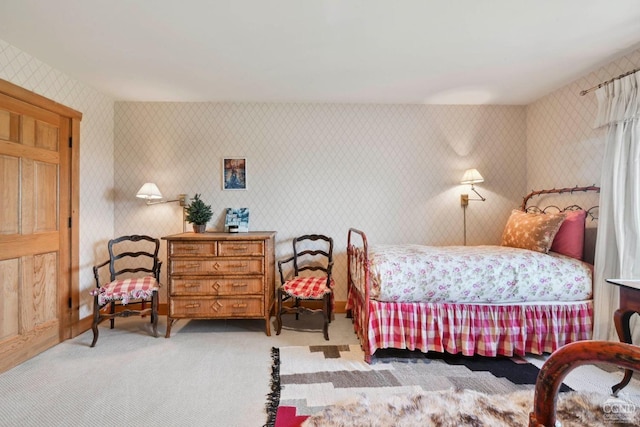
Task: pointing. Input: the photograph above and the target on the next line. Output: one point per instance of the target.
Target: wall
(562, 146)
(563, 149)
(96, 152)
(390, 170)
(403, 162)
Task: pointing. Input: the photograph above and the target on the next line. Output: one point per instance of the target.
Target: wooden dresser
(220, 276)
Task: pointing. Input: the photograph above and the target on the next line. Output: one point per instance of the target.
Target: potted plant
(198, 213)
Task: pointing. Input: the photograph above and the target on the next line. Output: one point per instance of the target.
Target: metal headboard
(592, 212)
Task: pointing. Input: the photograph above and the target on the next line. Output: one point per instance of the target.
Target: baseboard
(338, 306)
(84, 324)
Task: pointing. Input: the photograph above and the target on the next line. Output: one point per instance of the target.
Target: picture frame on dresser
(238, 217)
(234, 173)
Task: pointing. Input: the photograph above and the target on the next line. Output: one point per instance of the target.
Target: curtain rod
(591, 89)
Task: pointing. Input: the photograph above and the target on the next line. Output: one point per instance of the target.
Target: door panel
(33, 243)
(45, 192)
(46, 136)
(9, 192)
(5, 125)
(38, 287)
(9, 298)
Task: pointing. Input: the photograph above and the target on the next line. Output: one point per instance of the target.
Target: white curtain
(618, 243)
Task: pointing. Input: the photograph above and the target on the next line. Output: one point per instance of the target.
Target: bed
(531, 294)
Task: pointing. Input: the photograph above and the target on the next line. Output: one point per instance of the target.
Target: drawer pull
(191, 285)
(195, 305)
(191, 266)
(239, 285)
(190, 248)
(239, 305)
(215, 286)
(239, 248)
(237, 265)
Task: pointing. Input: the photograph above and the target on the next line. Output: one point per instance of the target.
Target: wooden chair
(134, 279)
(567, 358)
(309, 279)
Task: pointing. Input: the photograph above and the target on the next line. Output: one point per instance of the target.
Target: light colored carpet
(209, 373)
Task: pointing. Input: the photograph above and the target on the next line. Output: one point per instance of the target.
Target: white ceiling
(365, 51)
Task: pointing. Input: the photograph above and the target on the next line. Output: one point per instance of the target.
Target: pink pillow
(569, 240)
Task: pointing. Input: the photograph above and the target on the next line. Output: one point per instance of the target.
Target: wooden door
(36, 194)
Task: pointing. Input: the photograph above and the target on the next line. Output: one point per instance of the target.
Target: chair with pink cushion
(306, 280)
(134, 280)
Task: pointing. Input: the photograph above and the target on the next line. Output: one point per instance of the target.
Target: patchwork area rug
(308, 379)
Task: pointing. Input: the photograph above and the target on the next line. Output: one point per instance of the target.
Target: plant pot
(199, 228)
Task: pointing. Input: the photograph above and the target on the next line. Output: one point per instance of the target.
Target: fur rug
(470, 408)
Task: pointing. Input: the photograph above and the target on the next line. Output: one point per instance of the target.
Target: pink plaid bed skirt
(483, 329)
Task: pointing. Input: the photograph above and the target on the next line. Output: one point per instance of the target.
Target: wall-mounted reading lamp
(151, 193)
(471, 176)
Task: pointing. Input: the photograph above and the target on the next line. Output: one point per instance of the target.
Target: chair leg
(154, 313)
(96, 320)
(278, 311)
(112, 310)
(326, 312)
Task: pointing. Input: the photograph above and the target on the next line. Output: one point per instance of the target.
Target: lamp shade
(149, 191)
(471, 176)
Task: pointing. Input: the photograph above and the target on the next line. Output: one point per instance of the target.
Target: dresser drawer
(182, 249)
(212, 307)
(241, 248)
(199, 286)
(218, 266)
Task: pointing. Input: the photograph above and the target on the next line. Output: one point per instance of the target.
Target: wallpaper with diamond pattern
(562, 146)
(391, 170)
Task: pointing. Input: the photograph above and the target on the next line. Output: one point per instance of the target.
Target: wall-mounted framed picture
(234, 173)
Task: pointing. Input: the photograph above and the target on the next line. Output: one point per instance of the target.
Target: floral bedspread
(475, 274)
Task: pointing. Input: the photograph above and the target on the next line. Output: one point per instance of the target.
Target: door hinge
(69, 222)
(70, 142)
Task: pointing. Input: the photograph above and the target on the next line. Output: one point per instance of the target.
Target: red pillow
(569, 240)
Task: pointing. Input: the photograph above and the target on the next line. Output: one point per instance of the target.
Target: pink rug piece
(286, 417)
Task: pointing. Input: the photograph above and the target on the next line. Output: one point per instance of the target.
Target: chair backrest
(313, 252)
(134, 254)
